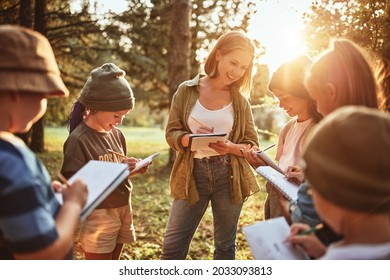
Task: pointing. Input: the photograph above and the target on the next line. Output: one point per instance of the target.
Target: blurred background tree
(366, 22)
(77, 41)
(138, 40)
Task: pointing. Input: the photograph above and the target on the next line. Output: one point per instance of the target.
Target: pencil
(63, 179)
(308, 231)
(197, 121)
(118, 154)
(269, 147)
(312, 229)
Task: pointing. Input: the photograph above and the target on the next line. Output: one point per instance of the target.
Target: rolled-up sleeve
(251, 136)
(176, 127)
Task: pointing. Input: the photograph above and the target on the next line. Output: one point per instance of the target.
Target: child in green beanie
(105, 100)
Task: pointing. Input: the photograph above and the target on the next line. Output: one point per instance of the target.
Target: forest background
(159, 43)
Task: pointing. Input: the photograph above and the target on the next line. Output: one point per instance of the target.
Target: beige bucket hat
(27, 63)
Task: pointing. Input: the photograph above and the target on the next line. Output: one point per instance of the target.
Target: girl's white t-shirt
(337, 251)
(293, 143)
(221, 120)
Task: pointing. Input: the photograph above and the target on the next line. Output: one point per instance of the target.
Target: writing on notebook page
(267, 240)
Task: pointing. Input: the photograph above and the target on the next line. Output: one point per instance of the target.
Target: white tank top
(221, 120)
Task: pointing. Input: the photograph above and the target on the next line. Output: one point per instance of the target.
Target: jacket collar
(194, 81)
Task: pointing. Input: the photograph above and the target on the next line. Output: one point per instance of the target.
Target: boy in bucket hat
(33, 225)
(345, 161)
(105, 100)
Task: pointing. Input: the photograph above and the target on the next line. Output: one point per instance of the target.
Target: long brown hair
(350, 69)
(231, 41)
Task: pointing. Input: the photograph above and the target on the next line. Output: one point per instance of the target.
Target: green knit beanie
(346, 159)
(107, 90)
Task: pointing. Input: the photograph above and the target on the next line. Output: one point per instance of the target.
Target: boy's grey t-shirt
(85, 144)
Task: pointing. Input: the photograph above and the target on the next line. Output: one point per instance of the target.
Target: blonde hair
(231, 41)
(384, 79)
(349, 69)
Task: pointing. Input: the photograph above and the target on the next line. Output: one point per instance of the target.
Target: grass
(151, 201)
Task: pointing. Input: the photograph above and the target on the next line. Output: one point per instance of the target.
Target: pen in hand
(308, 231)
(199, 122)
(202, 124)
(63, 180)
(115, 153)
(269, 147)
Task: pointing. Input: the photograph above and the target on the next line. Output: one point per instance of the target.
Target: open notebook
(267, 240)
(287, 188)
(102, 178)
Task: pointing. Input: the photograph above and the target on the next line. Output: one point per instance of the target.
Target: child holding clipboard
(105, 100)
(33, 224)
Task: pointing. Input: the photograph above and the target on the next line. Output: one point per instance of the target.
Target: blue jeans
(212, 177)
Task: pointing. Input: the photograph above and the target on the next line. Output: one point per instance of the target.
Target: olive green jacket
(182, 183)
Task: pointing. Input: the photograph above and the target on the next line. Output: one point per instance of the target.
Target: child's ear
(218, 55)
(331, 92)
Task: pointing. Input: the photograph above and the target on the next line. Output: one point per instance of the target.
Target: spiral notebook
(287, 188)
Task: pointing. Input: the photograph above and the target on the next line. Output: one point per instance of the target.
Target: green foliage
(141, 36)
(260, 85)
(78, 42)
(143, 116)
(151, 201)
(210, 19)
(366, 22)
(137, 40)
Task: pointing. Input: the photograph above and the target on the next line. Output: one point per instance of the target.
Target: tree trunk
(180, 45)
(40, 16)
(37, 138)
(25, 13)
